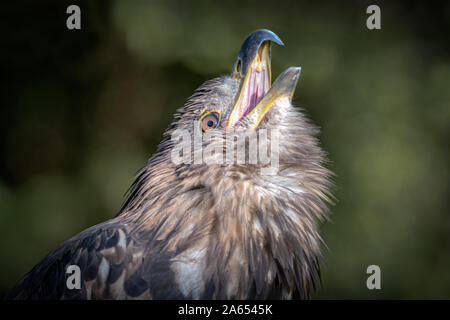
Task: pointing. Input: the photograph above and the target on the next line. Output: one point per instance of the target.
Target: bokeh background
(82, 111)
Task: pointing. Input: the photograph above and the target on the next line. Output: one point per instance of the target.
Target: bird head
(246, 96)
(245, 104)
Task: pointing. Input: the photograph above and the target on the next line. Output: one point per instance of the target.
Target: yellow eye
(210, 121)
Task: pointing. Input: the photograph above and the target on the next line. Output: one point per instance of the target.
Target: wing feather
(104, 254)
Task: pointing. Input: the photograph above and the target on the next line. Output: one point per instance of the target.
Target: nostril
(238, 66)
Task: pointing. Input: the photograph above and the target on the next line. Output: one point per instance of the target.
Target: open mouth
(255, 85)
(253, 67)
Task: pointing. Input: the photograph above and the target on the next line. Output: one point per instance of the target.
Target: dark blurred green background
(82, 111)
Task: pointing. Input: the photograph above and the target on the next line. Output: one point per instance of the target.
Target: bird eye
(210, 121)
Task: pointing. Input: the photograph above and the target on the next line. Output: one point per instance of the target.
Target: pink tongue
(256, 90)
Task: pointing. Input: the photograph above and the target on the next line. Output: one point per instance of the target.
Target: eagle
(225, 228)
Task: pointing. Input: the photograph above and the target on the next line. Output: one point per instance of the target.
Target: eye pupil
(210, 123)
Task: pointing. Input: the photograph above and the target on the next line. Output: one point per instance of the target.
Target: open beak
(256, 97)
